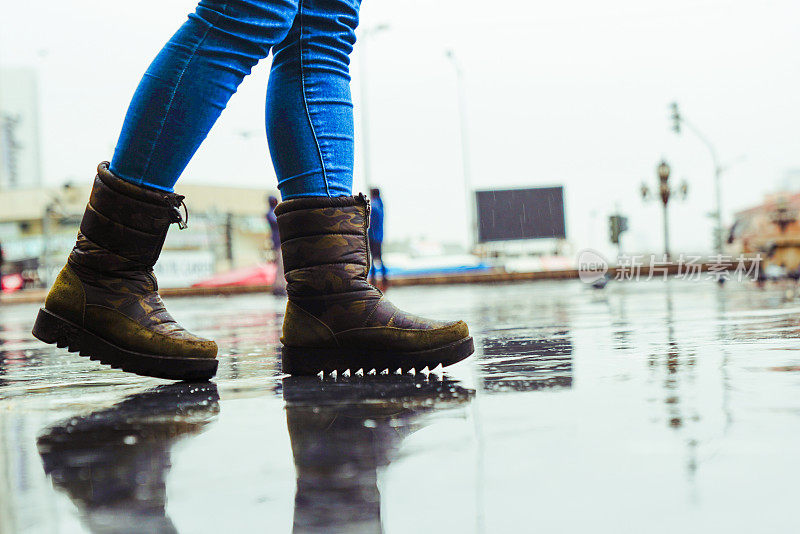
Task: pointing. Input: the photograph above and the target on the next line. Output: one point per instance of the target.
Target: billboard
(510, 214)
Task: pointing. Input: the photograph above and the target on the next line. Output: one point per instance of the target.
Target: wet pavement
(647, 407)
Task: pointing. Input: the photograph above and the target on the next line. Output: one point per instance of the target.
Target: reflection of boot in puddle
(113, 463)
(343, 431)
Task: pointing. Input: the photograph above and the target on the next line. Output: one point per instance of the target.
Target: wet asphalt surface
(647, 407)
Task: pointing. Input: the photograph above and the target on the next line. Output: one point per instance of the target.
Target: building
(227, 229)
(771, 229)
(20, 146)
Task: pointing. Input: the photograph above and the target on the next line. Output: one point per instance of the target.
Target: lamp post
(677, 121)
(663, 178)
(665, 192)
(364, 101)
(465, 155)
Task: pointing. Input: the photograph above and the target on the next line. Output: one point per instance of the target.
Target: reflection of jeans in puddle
(113, 463)
(343, 431)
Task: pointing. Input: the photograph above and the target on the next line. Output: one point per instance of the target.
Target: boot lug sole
(58, 331)
(312, 361)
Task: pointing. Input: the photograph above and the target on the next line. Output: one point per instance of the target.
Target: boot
(335, 320)
(105, 303)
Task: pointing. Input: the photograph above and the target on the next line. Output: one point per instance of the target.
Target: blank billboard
(509, 214)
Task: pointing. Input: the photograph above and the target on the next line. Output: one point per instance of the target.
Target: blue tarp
(432, 271)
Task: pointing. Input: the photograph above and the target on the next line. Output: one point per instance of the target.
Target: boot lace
(176, 201)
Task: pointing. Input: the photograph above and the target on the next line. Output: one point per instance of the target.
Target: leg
(335, 320)
(105, 303)
(374, 256)
(309, 111)
(279, 285)
(383, 265)
(190, 82)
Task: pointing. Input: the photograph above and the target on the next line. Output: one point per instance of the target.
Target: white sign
(182, 268)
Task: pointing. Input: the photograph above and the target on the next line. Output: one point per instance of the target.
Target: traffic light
(613, 229)
(616, 225)
(676, 118)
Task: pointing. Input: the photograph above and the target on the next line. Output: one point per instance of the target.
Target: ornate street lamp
(665, 192)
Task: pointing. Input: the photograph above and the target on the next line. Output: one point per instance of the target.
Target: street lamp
(677, 121)
(465, 154)
(665, 192)
(364, 88)
(663, 178)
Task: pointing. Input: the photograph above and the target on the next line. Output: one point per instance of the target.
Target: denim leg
(190, 82)
(309, 110)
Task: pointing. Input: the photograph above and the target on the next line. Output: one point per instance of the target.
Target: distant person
(105, 301)
(279, 285)
(376, 237)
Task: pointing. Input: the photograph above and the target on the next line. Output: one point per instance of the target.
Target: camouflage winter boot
(335, 320)
(105, 303)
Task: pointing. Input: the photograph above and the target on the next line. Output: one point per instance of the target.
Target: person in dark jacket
(376, 237)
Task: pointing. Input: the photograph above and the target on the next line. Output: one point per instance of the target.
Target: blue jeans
(376, 250)
(309, 111)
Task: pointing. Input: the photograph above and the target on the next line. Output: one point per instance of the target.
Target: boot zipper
(367, 211)
(364, 199)
(152, 278)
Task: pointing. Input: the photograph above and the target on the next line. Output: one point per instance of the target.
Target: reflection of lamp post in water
(665, 192)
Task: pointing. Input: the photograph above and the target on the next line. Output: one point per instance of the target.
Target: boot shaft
(104, 303)
(324, 245)
(124, 225)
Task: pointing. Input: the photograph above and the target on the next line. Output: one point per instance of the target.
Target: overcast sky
(572, 92)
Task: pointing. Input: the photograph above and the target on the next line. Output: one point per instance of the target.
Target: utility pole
(677, 121)
(666, 232)
(364, 101)
(465, 152)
